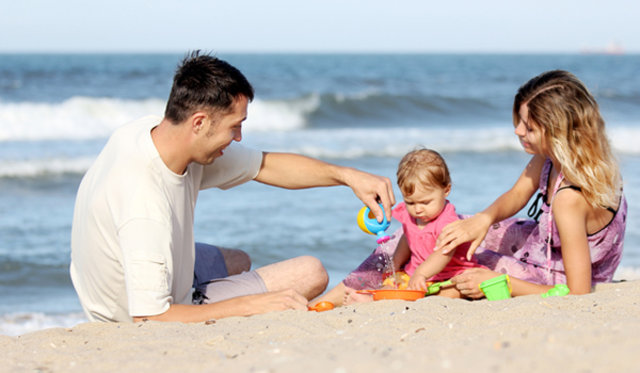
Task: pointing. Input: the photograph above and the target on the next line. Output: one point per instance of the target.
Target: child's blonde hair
(575, 132)
(422, 166)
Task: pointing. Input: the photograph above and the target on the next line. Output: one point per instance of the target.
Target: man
(132, 244)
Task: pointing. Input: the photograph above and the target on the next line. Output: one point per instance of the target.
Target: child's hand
(417, 282)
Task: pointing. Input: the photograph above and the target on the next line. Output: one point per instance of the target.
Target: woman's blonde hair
(422, 166)
(575, 132)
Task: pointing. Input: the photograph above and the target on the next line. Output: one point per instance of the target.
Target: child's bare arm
(433, 265)
(402, 254)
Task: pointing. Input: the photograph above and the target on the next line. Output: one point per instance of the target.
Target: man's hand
(371, 190)
(240, 306)
(276, 301)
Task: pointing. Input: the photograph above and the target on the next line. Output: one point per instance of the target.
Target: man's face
(221, 130)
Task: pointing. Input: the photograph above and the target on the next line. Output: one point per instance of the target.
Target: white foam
(76, 118)
(90, 118)
(85, 117)
(276, 115)
(338, 143)
(358, 96)
(44, 166)
(14, 324)
(624, 139)
(626, 273)
(351, 143)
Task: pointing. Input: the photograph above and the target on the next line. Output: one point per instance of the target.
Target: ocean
(357, 110)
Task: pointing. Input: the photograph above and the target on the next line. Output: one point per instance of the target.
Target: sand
(598, 332)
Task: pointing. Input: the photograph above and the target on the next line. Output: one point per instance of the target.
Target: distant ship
(611, 48)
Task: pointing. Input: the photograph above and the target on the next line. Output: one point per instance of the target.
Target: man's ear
(198, 121)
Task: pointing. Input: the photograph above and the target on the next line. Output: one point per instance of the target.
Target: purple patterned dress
(370, 273)
(518, 247)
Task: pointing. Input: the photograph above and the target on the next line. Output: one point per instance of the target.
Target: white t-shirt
(132, 245)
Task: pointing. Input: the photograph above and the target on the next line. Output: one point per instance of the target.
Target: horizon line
(326, 52)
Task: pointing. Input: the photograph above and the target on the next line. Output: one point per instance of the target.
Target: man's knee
(315, 270)
(305, 274)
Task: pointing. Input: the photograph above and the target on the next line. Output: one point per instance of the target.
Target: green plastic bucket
(497, 288)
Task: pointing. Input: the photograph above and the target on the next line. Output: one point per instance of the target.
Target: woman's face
(529, 133)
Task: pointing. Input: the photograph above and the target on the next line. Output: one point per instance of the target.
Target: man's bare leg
(304, 274)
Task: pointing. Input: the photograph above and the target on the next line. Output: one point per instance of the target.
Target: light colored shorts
(211, 280)
(246, 283)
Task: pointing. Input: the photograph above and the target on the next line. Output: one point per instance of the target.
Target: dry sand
(598, 332)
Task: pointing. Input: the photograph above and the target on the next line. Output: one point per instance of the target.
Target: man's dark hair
(204, 82)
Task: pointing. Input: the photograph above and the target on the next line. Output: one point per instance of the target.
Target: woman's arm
(570, 215)
(570, 211)
(468, 283)
(475, 228)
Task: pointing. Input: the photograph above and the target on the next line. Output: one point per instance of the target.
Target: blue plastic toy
(368, 223)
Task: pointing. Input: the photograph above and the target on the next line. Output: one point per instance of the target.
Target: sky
(352, 26)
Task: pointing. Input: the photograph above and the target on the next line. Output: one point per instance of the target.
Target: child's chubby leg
(450, 292)
(342, 295)
(336, 296)
(352, 296)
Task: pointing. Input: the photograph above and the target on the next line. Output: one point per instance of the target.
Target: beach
(597, 332)
(363, 111)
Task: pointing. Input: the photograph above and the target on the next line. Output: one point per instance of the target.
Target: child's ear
(447, 190)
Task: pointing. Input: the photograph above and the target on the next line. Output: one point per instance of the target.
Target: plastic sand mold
(322, 306)
(559, 290)
(497, 288)
(394, 294)
(435, 287)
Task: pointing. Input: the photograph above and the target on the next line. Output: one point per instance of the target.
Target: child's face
(426, 203)
(530, 134)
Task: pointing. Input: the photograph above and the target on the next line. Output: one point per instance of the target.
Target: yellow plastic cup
(497, 288)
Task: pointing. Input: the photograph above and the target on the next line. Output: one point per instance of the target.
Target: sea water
(363, 111)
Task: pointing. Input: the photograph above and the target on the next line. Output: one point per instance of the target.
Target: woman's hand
(468, 282)
(472, 229)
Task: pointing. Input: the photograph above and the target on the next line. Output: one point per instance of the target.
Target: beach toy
(435, 287)
(497, 288)
(559, 290)
(368, 223)
(321, 306)
(382, 294)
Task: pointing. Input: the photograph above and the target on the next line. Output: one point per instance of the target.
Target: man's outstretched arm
(294, 171)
